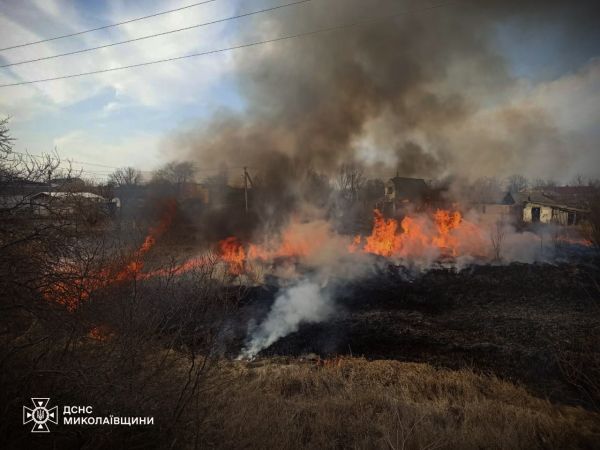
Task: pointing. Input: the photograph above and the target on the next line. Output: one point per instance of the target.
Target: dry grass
(354, 403)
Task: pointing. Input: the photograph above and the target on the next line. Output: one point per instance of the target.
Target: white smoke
(305, 302)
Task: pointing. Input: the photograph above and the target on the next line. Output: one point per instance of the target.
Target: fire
(444, 234)
(447, 221)
(419, 238)
(447, 234)
(384, 239)
(74, 287)
(298, 240)
(233, 254)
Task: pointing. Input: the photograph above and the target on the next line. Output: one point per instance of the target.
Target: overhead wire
(235, 47)
(104, 27)
(74, 161)
(154, 35)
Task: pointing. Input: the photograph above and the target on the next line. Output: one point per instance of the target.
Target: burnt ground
(520, 322)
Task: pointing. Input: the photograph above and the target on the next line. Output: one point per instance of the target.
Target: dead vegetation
(354, 403)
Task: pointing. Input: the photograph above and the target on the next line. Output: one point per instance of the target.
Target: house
(563, 205)
(401, 192)
(67, 203)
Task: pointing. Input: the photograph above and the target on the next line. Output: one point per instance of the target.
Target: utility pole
(246, 188)
(247, 179)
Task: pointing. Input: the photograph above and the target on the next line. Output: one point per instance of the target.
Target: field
(355, 403)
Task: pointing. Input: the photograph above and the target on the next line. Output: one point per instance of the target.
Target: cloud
(138, 150)
(171, 83)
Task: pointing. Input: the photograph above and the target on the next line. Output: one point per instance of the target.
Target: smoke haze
(427, 93)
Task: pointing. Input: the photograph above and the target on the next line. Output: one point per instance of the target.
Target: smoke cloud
(305, 302)
(427, 92)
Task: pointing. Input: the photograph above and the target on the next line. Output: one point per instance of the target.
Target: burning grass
(418, 241)
(354, 403)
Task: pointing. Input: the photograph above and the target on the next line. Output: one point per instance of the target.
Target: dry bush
(353, 403)
(76, 327)
(136, 347)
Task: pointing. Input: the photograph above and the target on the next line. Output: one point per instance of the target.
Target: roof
(86, 195)
(558, 197)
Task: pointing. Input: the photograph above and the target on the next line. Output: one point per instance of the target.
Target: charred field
(532, 324)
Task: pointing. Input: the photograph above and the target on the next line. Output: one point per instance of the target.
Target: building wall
(547, 214)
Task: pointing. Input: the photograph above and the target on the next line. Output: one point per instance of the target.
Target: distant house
(67, 203)
(564, 205)
(400, 192)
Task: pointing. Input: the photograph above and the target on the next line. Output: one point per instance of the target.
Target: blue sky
(121, 118)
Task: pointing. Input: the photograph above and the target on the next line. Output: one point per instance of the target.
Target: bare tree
(125, 177)
(540, 183)
(176, 174)
(350, 180)
(516, 183)
(5, 138)
(579, 180)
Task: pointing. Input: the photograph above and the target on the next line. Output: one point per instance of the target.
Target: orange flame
(384, 239)
(74, 288)
(420, 236)
(446, 221)
(233, 254)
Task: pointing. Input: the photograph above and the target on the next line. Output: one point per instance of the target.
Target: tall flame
(233, 254)
(419, 236)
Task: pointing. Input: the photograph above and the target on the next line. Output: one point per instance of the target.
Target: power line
(69, 161)
(66, 160)
(107, 26)
(236, 47)
(85, 50)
